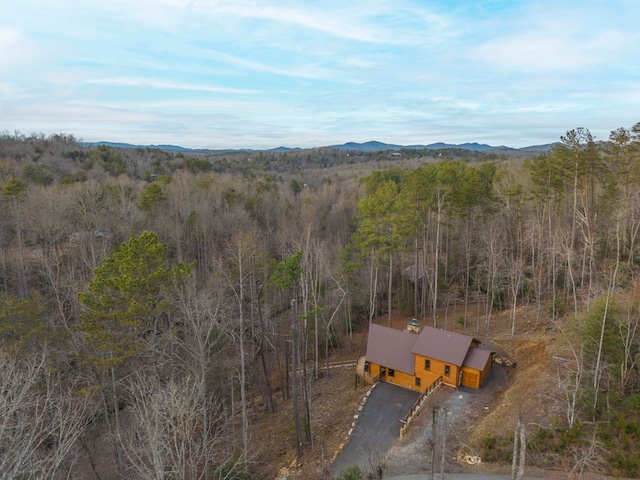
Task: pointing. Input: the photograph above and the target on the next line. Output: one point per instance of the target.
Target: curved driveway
(377, 427)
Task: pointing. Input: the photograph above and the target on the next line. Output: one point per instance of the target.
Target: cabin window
(366, 366)
(427, 364)
(392, 372)
(383, 371)
(417, 382)
(447, 370)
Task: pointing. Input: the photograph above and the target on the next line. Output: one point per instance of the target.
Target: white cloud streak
(167, 85)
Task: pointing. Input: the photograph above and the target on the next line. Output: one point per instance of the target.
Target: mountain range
(371, 146)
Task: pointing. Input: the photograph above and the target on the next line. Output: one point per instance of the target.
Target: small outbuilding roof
(391, 348)
(477, 358)
(448, 347)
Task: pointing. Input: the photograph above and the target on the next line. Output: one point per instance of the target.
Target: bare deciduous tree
(40, 419)
(167, 437)
(519, 450)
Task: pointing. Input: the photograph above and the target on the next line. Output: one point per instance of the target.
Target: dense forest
(148, 296)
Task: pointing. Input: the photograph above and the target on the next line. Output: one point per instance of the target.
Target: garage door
(470, 378)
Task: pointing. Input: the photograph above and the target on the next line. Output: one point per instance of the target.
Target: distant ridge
(283, 149)
(478, 147)
(374, 146)
(371, 146)
(174, 148)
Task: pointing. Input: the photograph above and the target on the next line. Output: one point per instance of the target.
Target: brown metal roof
(477, 358)
(448, 347)
(391, 348)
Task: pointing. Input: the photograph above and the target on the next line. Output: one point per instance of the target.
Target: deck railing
(415, 410)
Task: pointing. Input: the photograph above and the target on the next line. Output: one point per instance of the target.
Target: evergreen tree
(123, 304)
(126, 315)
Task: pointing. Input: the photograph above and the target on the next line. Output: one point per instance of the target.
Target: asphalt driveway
(377, 427)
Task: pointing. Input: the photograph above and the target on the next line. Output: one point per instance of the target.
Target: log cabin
(416, 357)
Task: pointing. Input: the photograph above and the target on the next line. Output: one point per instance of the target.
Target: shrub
(497, 449)
(351, 473)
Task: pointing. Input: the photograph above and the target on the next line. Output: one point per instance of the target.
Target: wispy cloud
(15, 48)
(538, 52)
(167, 85)
(305, 70)
(14, 92)
(542, 37)
(10, 37)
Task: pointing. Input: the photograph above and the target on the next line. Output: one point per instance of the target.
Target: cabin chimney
(414, 326)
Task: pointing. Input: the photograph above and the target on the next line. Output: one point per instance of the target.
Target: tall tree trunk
(390, 289)
(328, 332)
(416, 280)
(243, 386)
(295, 377)
(267, 381)
(610, 291)
(116, 416)
(243, 375)
(443, 445)
(423, 289)
(523, 450)
(514, 457)
(467, 270)
(373, 284)
(256, 310)
(436, 261)
(434, 418)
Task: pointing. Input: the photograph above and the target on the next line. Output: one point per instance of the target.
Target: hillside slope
(528, 389)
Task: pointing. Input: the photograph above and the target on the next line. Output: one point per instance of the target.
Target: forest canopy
(143, 283)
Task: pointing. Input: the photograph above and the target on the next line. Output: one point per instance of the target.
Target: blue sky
(265, 73)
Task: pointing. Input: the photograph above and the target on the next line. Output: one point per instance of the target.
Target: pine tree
(125, 315)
